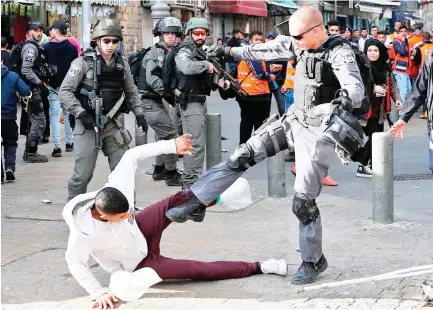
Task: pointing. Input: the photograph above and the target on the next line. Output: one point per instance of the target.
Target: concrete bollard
(383, 178)
(213, 139)
(277, 176)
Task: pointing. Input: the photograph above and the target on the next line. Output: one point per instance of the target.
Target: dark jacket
(60, 54)
(11, 83)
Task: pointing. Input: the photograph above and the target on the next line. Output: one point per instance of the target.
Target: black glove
(344, 102)
(220, 51)
(141, 122)
(45, 92)
(71, 119)
(87, 120)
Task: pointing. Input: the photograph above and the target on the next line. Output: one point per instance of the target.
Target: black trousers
(253, 114)
(372, 127)
(9, 131)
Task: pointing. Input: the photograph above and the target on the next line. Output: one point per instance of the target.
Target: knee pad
(241, 159)
(305, 209)
(273, 136)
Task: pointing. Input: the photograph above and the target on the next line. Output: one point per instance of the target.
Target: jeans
(403, 83)
(55, 119)
(289, 98)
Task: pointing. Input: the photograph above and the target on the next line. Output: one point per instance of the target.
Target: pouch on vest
(116, 141)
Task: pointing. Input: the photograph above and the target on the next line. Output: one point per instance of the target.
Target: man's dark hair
(235, 31)
(374, 27)
(403, 27)
(255, 33)
(363, 28)
(333, 22)
(111, 201)
(381, 32)
(4, 42)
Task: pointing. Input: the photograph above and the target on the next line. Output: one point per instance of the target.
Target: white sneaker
(274, 266)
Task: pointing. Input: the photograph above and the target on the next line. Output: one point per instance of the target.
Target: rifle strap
(113, 111)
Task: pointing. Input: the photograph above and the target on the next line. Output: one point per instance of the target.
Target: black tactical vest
(198, 84)
(157, 53)
(40, 67)
(110, 85)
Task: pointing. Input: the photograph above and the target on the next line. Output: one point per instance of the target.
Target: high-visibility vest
(249, 82)
(414, 41)
(426, 49)
(401, 63)
(290, 75)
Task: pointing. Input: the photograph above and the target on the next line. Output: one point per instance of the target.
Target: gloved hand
(220, 51)
(141, 122)
(71, 119)
(45, 92)
(87, 120)
(344, 103)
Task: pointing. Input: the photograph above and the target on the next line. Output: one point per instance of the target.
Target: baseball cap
(59, 25)
(349, 29)
(35, 25)
(130, 286)
(271, 34)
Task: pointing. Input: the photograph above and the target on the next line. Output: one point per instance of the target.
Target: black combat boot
(158, 173)
(173, 178)
(308, 272)
(32, 156)
(193, 210)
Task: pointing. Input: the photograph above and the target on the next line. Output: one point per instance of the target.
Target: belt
(196, 98)
(151, 96)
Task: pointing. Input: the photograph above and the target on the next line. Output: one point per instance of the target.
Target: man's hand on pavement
(398, 128)
(183, 145)
(105, 301)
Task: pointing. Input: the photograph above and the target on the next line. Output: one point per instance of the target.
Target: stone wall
(129, 17)
(427, 15)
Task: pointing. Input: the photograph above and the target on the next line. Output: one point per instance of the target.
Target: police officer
(317, 125)
(192, 81)
(152, 92)
(33, 71)
(120, 95)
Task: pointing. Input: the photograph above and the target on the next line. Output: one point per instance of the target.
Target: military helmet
(107, 27)
(197, 22)
(168, 24)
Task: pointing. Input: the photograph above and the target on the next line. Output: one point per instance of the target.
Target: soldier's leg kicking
(266, 142)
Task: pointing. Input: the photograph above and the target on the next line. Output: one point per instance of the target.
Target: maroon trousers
(152, 222)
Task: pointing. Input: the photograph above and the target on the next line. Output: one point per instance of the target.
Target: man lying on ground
(103, 225)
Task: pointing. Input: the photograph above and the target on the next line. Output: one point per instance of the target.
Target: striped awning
(107, 2)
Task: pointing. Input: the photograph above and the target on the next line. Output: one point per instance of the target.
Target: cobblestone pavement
(34, 237)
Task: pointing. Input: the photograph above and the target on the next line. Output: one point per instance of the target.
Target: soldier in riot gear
(152, 93)
(116, 88)
(192, 76)
(34, 72)
(318, 124)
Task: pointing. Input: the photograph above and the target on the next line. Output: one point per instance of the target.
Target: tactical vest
(40, 66)
(110, 85)
(157, 57)
(197, 84)
(315, 82)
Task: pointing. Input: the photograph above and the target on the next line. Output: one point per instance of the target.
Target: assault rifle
(220, 72)
(93, 97)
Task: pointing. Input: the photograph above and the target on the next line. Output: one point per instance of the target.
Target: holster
(116, 141)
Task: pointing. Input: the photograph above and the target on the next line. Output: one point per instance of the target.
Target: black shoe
(364, 172)
(187, 211)
(35, 158)
(173, 178)
(10, 175)
(197, 215)
(308, 272)
(46, 139)
(69, 147)
(57, 152)
(158, 173)
(40, 141)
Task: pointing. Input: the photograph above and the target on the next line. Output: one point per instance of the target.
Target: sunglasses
(199, 33)
(108, 41)
(300, 36)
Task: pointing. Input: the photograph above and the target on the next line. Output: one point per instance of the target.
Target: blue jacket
(11, 83)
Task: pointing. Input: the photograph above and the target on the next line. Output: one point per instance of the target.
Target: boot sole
(311, 279)
(10, 177)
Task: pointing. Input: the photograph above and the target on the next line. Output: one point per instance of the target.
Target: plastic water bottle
(237, 196)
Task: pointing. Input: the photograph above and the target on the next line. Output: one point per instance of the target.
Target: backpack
(135, 60)
(365, 71)
(16, 61)
(168, 70)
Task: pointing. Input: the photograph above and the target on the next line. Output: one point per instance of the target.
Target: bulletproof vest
(40, 66)
(198, 84)
(315, 83)
(110, 85)
(157, 53)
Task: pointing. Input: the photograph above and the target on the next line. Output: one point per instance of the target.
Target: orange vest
(249, 83)
(425, 49)
(414, 41)
(401, 63)
(290, 73)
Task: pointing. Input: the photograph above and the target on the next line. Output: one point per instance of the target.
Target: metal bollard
(213, 139)
(383, 178)
(277, 176)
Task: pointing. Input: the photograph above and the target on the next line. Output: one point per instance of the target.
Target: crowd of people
(327, 103)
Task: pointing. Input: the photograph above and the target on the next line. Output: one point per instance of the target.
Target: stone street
(34, 237)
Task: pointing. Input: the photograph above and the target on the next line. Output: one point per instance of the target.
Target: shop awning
(284, 3)
(247, 7)
(107, 2)
(382, 2)
(369, 8)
